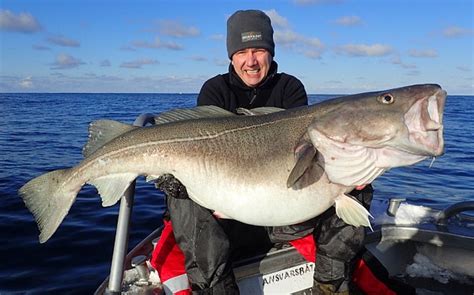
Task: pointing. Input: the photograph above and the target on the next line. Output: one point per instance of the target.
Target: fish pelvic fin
(103, 131)
(48, 200)
(112, 187)
(352, 212)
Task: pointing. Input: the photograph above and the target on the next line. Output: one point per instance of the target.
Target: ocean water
(43, 132)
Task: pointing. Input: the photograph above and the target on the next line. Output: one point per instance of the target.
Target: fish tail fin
(48, 200)
(352, 212)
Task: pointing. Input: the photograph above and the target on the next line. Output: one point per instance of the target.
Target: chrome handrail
(123, 225)
(453, 210)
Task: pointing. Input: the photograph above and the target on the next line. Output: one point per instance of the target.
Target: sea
(40, 132)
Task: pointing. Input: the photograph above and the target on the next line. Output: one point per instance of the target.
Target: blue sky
(332, 46)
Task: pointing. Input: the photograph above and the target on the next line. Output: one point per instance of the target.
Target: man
(211, 244)
(252, 80)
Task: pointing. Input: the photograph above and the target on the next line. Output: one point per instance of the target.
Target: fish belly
(267, 202)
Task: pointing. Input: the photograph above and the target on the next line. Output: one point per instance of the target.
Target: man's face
(252, 65)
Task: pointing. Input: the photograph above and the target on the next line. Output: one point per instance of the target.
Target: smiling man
(211, 244)
(252, 80)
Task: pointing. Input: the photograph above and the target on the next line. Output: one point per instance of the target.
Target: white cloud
(310, 47)
(313, 49)
(423, 53)
(456, 32)
(157, 44)
(365, 50)
(65, 61)
(397, 61)
(22, 22)
(312, 53)
(94, 76)
(176, 29)
(287, 38)
(313, 42)
(348, 21)
(26, 83)
(63, 41)
(137, 64)
(277, 20)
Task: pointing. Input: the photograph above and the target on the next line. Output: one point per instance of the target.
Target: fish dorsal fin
(258, 111)
(103, 131)
(351, 211)
(307, 169)
(192, 113)
(112, 187)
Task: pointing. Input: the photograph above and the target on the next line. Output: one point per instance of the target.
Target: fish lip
(425, 131)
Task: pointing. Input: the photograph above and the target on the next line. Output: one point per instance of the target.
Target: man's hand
(171, 186)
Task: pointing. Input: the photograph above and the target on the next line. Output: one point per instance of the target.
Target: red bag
(168, 260)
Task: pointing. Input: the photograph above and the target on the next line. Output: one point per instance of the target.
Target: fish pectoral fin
(258, 111)
(103, 131)
(112, 187)
(307, 169)
(351, 211)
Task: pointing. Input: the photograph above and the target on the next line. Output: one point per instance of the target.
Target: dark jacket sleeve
(212, 92)
(295, 94)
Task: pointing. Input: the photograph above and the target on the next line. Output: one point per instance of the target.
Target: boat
(428, 249)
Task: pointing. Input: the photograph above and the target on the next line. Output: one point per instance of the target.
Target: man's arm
(210, 93)
(295, 94)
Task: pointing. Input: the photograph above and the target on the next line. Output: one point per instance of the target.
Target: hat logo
(251, 36)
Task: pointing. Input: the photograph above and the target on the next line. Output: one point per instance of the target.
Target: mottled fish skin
(239, 166)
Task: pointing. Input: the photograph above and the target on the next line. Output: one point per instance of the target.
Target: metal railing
(123, 226)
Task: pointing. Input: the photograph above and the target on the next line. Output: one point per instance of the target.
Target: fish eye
(386, 98)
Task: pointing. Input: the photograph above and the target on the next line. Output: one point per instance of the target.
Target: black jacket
(229, 92)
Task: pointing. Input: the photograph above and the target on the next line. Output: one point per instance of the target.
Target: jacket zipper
(254, 96)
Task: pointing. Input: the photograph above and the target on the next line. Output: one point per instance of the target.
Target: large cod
(272, 169)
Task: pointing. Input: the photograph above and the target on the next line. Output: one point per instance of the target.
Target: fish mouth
(424, 121)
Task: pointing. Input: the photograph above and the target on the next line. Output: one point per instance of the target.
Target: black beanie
(249, 29)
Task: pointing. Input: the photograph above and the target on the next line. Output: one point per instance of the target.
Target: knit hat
(249, 29)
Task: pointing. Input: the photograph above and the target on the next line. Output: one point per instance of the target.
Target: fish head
(380, 130)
